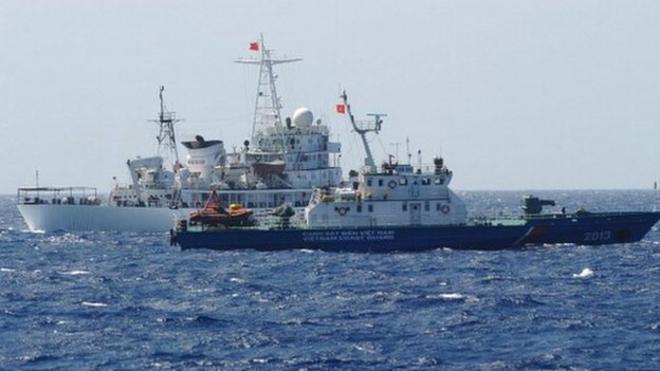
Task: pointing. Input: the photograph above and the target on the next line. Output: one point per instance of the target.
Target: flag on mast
(254, 46)
(341, 108)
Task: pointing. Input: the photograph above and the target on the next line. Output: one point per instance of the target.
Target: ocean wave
(75, 273)
(585, 273)
(94, 304)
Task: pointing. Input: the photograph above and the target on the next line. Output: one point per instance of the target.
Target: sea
(99, 300)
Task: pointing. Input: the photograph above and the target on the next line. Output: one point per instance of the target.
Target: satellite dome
(303, 117)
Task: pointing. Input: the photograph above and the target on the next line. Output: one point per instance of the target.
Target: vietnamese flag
(254, 46)
(341, 108)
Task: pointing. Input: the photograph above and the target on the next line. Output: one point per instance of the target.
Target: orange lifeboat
(214, 214)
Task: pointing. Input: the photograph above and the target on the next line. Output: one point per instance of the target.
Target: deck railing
(57, 196)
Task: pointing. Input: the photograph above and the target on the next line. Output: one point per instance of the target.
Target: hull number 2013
(597, 236)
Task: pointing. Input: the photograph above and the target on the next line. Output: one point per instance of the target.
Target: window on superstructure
(437, 207)
(404, 207)
(369, 182)
(380, 182)
(426, 181)
(370, 208)
(439, 181)
(427, 206)
(359, 208)
(403, 181)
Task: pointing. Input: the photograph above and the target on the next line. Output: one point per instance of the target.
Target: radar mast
(362, 128)
(267, 104)
(166, 137)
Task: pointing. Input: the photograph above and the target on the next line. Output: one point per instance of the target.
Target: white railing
(57, 196)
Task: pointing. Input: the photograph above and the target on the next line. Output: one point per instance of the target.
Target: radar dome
(303, 117)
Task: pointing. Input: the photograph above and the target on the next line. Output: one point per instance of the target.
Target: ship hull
(592, 229)
(371, 239)
(51, 218)
(595, 229)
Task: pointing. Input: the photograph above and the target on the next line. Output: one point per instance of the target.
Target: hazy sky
(514, 94)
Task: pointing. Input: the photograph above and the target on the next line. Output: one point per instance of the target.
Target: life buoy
(445, 209)
(342, 210)
(391, 184)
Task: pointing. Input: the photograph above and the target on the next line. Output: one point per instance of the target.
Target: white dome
(303, 117)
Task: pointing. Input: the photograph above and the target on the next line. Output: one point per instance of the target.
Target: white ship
(283, 163)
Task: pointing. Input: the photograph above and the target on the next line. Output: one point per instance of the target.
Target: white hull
(50, 218)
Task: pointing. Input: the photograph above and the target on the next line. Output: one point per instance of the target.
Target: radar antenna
(166, 120)
(362, 128)
(267, 104)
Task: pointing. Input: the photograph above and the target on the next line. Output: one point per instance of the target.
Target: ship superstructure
(394, 194)
(404, 208)
(153, 178)
(282, 163)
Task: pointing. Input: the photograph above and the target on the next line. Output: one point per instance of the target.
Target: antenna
(166, 120)
(267, 104)
(655, 189)
(36, 181)
(363, 128)
(396, 149)
(408, 150)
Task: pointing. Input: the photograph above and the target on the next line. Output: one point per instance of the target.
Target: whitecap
(586, 273)
(94, 304)
(75, 273)
(452, 296)
(455, 296)
(307, 251)
(365, 347)
(237, 280)
(8, 270)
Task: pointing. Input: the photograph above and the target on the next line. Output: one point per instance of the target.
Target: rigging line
(382, 146)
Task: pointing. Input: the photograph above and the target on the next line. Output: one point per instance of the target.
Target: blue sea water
(130, 301)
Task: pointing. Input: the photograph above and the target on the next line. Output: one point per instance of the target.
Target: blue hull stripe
(589, 230)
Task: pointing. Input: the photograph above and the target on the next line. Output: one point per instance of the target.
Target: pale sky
(514, 94)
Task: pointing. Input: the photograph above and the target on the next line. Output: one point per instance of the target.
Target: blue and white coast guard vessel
(394, 208)
(400, 208)
(283, 162)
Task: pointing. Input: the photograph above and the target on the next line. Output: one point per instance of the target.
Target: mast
(166, 120)
(363, 129)
(267, 103)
